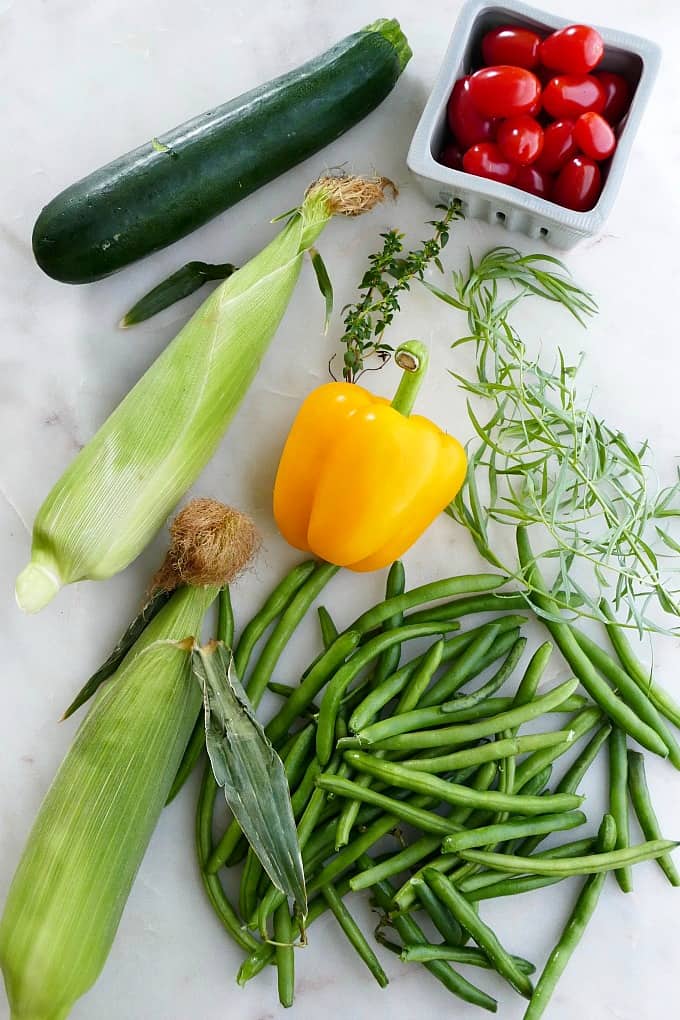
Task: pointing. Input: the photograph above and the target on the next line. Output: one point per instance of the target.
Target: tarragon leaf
(250, 771)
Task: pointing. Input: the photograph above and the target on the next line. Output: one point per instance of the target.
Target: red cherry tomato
(510, 44)
(594, 136)
(504, 91)
(521, 139)
(616, 95)
(452, 156)
(487, 160)
(570, 95)
(578, 184)
(559, 145)
(576, 49)
(467, 125)
(535, 107)
(536, 182)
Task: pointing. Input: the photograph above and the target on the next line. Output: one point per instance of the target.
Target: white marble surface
(81, 82)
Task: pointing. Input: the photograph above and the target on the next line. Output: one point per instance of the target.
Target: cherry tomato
(559, 145)
(594, 136)
(536, 182)
(504, 91)
(452, 156)
(510, 44)
(467, 125)
(570, 95)
(616, 95)
(576, 49)
(521, 139)
(578, 184)
(487, 160)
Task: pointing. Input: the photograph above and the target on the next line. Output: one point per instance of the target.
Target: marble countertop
(82, 83)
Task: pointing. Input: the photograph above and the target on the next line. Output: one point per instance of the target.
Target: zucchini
(173, 184)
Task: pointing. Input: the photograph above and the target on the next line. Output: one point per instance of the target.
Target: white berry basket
(635, 58)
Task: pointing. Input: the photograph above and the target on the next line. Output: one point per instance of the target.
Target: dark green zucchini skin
(157, 193)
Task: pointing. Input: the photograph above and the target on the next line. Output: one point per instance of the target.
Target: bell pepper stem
(413, 358)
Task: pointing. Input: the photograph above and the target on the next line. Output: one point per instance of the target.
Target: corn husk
(124, 483)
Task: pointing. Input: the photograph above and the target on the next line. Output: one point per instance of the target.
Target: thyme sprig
(390, 273)
(542, 457)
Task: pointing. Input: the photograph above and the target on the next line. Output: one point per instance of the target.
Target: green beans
(329, 631)
(574, 929)
(339, 683)
(454, 793)
(629, 692)
(484, 603)
(579, 725)
(285, 954)
(642, 676)
(441, 917)
(458, 954)
(462, 585)
(178, 285)
(389, 659)
(492, 685)
(213, 887)
(273, 607)
(590, 865)
(597, 688)
(646, 816)
(618, 802)
(290, 618)
(463, 669)
(396, 863)
(420, 679)
(504, 831)
(427, 821)
(398, 736)
(355, 936)
(502, 962)
(493, 751)
(411, 934)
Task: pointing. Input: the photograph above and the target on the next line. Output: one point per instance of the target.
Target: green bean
(492, 751)
(579, 725)
(504, 831)
(598, 689)
(441, 917)
(298, 758)
(589, 865)
(642, 676)
(401, 728)
(629, 692)
(618, 801)
(420, 679)
(192, 753)
(458, 954)
(300, 797)
(273, 607)
(354, 934)
(213, 887)
(331, 660)
(285, 954)
(178, 285)
(646, 816)
(329, 632)
(536, 784)
(411, 934)
(396, 863)
(575, 848)
(432, 592)
(573, 932)
(489, 603)
(427, 821)
(455, 793)
(250, 879)
(502, 962)
(265, 951)
(339, 683)
(463, 669)
(494, 684)
(388, 661)
(261, 674)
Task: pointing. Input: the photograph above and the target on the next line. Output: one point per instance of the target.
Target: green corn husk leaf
(93, 828)
(250, 771)
(123, 484)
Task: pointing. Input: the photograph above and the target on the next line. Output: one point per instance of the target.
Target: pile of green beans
(378, 746)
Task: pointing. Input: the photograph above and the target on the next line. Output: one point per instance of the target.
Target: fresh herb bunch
(390, 274)
(543, 458)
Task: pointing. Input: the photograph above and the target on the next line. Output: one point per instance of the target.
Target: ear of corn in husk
(121, 487)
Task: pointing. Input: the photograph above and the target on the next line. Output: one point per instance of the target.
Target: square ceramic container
(635, 58)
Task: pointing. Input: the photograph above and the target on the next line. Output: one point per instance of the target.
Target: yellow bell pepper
(359, 479)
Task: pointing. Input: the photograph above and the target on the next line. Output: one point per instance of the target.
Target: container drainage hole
(544, 231)
(500, 216)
